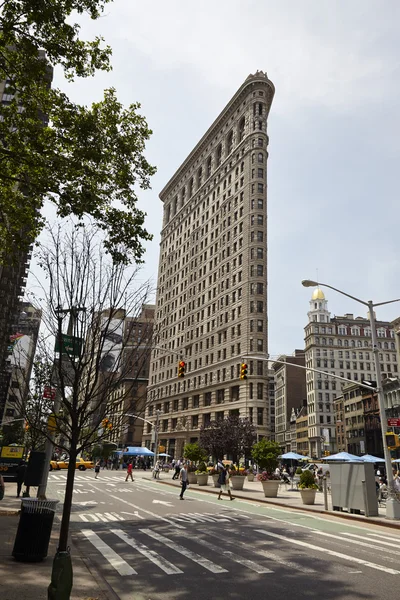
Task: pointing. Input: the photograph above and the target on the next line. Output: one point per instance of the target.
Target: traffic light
(392, 440)
(181, 368)
(106, 424)
(243, 371)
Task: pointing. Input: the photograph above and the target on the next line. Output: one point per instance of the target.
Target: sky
(333, 208)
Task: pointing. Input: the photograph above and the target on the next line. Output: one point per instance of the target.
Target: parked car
(81, 464)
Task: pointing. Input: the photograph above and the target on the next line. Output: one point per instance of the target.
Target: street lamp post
(392, 504)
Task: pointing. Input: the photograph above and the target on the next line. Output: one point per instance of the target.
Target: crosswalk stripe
(382, 542)
(113, 517)
(155, 558)
(386, 537)
(249, 564)
(101, 517)
(359, 561)
(204, 562)
(358, 542)
(266, 554)
(118, 563)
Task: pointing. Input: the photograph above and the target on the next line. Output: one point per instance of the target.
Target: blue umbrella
(137, 451)
(372, 459)
(343, 457)
(397, 460)
(294, 456)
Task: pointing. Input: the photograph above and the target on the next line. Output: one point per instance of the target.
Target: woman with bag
(223, 480)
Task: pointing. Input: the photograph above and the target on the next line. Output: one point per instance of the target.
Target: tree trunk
(69, 489)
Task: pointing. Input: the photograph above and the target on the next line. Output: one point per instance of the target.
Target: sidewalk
(29, 581)
(287, 498)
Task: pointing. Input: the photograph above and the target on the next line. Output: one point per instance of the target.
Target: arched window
(209, 164)
(241, 129)
(260, 157)
(253, 157)
(229, 142)
(218, 155)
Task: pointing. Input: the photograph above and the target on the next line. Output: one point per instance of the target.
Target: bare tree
(90, 308)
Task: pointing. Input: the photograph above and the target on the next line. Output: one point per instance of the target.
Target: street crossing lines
(113, 558)
(363, 543)
(103, 517)
(265, 553)
(359, 561)
(204, 562)
(245, 562)
(155, 558)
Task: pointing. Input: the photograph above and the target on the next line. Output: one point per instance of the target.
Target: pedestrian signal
(243, 371)
(181, 368)
(392, 440)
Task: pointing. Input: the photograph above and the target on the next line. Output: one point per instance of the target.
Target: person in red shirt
(129, 472)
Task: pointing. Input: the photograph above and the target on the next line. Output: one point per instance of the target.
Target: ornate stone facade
(211, 306)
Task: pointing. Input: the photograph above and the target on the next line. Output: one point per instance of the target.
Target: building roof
(318, 294)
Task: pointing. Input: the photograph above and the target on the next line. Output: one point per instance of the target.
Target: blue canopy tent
(343, 457)
(137, 451)
(294, 456)
(372, 459)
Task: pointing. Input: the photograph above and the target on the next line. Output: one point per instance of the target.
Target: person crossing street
(129, 472)
(183, 476)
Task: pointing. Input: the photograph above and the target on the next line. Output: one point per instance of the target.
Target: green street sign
(69, 345)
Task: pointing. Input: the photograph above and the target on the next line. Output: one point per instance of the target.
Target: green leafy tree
(87, 161)
(194, 452)
(265, 453)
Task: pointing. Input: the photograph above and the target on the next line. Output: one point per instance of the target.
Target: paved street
(147, 544)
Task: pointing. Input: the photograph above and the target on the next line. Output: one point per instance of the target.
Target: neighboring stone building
(341, 346)
(13, 272)
(290, 392)
(127, 406)
(212, 281)
(19, 362)
(302, 431)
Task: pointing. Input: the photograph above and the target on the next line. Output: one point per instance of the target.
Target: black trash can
(34, 529)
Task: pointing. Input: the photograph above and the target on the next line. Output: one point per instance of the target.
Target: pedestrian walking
(223, 480)
(21, 470)
(97, 469)
(129, 472)
(177, 470)
(183, 479)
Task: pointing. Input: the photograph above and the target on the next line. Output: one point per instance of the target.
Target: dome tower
(318, 312)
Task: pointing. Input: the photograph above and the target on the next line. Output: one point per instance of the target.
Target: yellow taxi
(81, 464)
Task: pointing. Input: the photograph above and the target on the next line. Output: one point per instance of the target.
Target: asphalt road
(146, 544)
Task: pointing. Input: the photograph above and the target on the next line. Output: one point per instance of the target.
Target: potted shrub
(194, 454)
(308, 487)
(237, 477)
(250, 474)
(201, 474)
(265, 453)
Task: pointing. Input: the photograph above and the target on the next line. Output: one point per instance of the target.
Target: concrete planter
(308, 495)
(250, 476)
(215, 480)
(270, 488)
(237, 482)
(202, 478)
(192, 478)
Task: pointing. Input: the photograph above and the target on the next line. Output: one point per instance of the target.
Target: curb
(332, 513)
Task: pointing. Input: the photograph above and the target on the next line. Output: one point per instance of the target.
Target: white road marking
(265, 553)
(134, 514)
(162, 502)
(249, 564)
(113, 516)
(204, 562)
(157, 517)
(384, 543)
(85, 503)
(155, 558)
(113, 558)
(85, 517)
(358, 542)
(359, 561)
(385, 537)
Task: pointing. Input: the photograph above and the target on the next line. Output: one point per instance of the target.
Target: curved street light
(392, 504)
